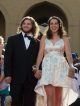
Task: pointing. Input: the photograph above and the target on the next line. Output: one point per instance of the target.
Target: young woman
(54, 87)
(1, 45)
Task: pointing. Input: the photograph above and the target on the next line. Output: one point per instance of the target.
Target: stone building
(12, 11)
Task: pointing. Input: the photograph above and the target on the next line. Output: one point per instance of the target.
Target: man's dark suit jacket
(18, 61)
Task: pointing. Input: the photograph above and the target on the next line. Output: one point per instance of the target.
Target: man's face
(26, 26)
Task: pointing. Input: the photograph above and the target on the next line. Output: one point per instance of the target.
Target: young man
(20, 55)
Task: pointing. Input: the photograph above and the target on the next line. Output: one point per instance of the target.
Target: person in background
(4, 87)
(1, 45)
(76, 62)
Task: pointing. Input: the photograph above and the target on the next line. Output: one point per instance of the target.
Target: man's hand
(8, 80)
(38, 74)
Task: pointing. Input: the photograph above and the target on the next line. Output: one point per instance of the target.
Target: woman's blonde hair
(1, 40)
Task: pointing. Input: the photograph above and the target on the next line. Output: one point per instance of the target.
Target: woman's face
(54, 26)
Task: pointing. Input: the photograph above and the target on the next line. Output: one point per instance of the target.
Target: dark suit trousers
(23, 94)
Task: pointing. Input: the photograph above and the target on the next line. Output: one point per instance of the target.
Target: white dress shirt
(26, 40)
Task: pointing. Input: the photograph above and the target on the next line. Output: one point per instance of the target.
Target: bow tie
(29, 37)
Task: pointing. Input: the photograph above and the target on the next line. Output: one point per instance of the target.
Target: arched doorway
(42, 11)
(2, 25)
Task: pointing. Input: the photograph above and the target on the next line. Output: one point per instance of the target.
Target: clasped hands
(37, 72)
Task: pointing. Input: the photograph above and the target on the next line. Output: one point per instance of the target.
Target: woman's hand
(77, 65)
(73, 67)
(38, 74)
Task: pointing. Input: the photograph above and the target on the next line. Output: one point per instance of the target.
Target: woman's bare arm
(38, 73)
(41, 51)
(67, 49)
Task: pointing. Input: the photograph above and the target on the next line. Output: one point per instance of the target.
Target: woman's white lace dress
(55, 72)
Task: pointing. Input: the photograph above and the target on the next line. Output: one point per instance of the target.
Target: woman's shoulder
(42, 41)
(66, 38)
(44, 37)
